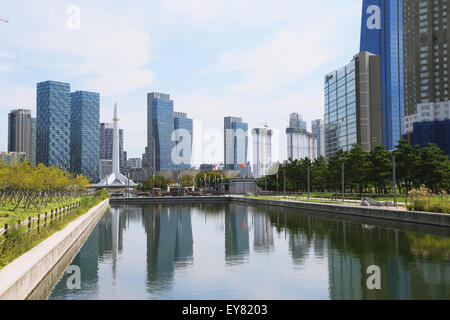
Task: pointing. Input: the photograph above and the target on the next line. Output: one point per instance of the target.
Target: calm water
(230, 251)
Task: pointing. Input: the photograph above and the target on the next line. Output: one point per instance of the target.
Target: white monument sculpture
(115, 179)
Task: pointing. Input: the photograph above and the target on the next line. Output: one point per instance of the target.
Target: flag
(242, 165)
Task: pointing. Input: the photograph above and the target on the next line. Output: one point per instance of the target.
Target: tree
(432, 168)
(380, 169)
(406, 164)
(357, 168)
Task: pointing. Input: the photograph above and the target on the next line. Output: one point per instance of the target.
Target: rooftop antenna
(265, 124)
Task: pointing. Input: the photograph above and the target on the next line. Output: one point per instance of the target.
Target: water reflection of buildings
(236, 234)
(262, 231)
(169, 243)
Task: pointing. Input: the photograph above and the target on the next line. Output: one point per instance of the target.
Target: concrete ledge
(429, 218)
(171, 200)
(23, 275)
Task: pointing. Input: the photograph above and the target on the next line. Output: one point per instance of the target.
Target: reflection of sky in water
(237, 252)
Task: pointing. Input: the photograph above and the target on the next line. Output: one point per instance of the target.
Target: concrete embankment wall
(23, 275)
(169, 200)
(427, 218)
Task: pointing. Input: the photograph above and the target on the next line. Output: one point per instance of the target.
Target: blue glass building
(437, 132)
(85, 133)
(382, 34)
(53, 124)
(340, 110)
(160, 126)
(182, 123)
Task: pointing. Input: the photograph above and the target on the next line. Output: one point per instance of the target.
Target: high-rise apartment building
(318, 129)
(382, 35)
(353, 108)
(236, 144)
(85, 133)
(296, 121)
(106, 147)
(22, 133)
(426, 41)
(300, 143)
(262, 151)
(53, 124)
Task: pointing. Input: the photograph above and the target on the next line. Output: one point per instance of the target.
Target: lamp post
(343, 181)
(308, 183)
(394, 182)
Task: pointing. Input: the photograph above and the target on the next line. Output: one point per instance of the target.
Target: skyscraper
(426, 52)
(296, 121)
(21, 132)
(353, 105)
(382, 35)
(184, 130)
(300, 143)
(85, 133)
(318, 129)
(236, 144)
(53, 124)
(262, 151)
(106, 146)
(160, 126)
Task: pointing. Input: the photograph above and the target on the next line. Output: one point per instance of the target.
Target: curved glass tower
(382, 34)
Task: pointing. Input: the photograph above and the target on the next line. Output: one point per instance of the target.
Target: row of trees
(29, 185)
(367, 172)
(208, 178)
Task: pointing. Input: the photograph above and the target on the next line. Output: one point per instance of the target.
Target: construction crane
(265, 124)
(4, 20)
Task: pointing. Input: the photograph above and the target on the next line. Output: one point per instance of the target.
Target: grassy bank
(11, 217)
(17, 241)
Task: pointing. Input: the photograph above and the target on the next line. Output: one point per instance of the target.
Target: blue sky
(259, 60)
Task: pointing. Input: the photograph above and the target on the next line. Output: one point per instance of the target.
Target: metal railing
(41, 220)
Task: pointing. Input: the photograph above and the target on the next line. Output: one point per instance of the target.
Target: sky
(256, 59)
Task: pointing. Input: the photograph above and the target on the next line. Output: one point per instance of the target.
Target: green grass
(17, 241)
(436, 204)
(11, 217)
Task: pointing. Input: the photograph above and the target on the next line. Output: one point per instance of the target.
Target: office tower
(106, 145)
(104, 168)
(53, 124)
(184, 130)
(353, 108)
(160, 126)
(300, 143)
(21, 134)
(262, 151)
(12, 158)
(426, 52)
(382, 35)
(85, 133)
(318, 129)
(296, 121)
(236, 144)
(134, 163)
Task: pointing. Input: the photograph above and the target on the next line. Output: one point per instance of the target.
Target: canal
(231, 251)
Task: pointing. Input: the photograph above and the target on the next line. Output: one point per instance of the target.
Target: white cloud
(293, 53)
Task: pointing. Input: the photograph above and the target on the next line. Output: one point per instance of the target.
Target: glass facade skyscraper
(340, 110)
(85, 133)
(382, 35)
(53, 124)
(160, 126)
